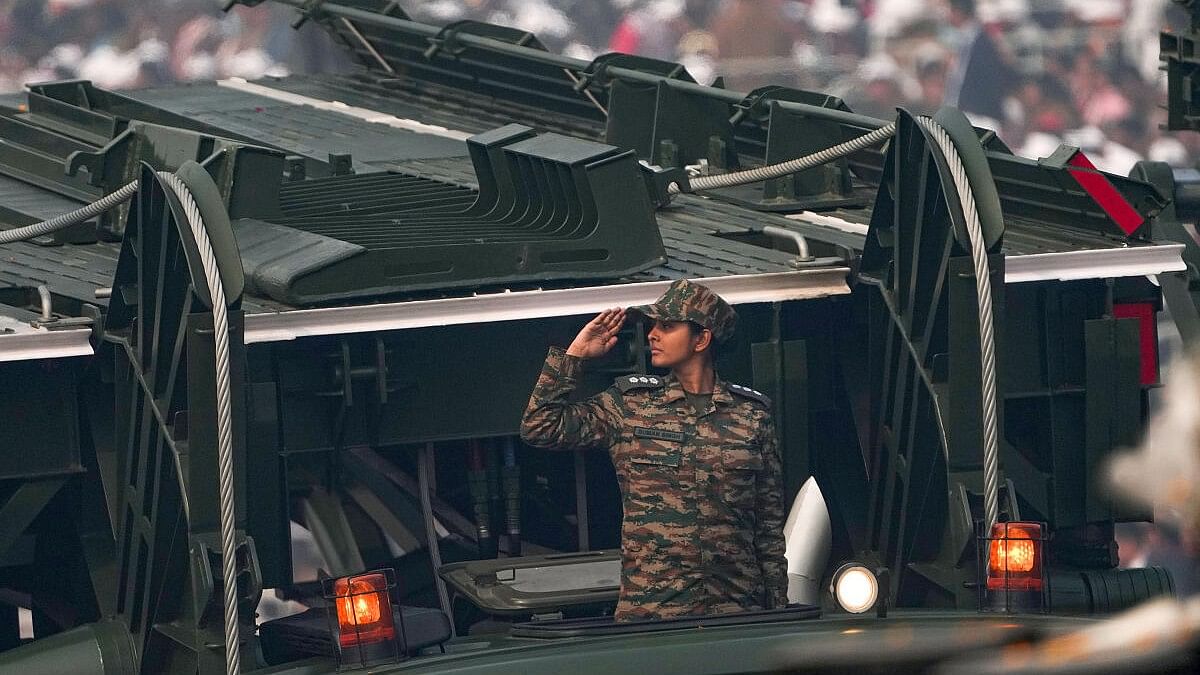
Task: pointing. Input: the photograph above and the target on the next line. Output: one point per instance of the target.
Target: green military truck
(273, 339)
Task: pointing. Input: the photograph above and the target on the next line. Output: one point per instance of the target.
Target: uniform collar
(675, 392)
(721, 394)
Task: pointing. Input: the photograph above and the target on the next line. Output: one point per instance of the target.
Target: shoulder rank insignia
(749, 393)
(630, 382)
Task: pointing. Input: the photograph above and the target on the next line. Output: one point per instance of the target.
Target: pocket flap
(656, 460)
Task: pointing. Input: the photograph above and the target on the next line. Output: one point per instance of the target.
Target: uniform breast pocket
(655, 449)
(653, 469)
(742, 465)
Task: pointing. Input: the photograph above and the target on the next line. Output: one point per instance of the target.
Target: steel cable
(121, 195)
(762, 173)
(224, 417)
(987, 343)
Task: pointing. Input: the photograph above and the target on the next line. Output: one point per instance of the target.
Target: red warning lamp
(1012, 568)
(363, 618)
(364, 610)
(1014, 561)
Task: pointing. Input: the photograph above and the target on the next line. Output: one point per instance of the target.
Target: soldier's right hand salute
(599, 335)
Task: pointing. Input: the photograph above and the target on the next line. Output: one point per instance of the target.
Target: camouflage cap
(686, 301)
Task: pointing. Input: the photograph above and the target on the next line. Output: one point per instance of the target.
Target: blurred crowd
(1041, 72)
(123, 44)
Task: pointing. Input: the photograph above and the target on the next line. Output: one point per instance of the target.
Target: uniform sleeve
(553, 421)
(768, 538)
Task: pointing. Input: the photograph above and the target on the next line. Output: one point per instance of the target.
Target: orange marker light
(1014, 557)
(364, 610)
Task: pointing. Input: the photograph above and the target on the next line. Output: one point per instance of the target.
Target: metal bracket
(310, 10)
(659, 181)
(345, 373)
(669, 124)
(447, 38)
(206, 570)
(581, 85)
(597, 70)
(756, 104)
(94, 161)
(790, 135)
(341, 164)
(1178, 54)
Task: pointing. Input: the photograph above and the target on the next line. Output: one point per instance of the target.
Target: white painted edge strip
(39, 343)
(1105, 263)
(1102, 263)
(365, 114)
(518, 305)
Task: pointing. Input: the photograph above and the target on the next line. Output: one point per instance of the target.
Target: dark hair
(715, 347)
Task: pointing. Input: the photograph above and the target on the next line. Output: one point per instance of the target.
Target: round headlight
(855, 588)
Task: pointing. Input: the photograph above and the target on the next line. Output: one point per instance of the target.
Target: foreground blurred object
(1165, 469)
(1161, 636)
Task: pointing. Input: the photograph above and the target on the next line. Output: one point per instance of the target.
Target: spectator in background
(982, 75)
(931, 77)
(698, 53)
(752, 28)
(13, 65)
(881, 89)
(649, 28)
(1036, 128)
(1124, 144)
(1104, 104)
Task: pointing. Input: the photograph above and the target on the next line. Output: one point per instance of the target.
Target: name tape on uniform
(658, 434)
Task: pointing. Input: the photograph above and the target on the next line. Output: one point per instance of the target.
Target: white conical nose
(809, 538)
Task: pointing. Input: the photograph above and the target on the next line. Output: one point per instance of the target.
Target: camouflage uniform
(702, 493)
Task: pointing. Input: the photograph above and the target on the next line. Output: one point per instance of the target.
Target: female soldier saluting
(695, 456)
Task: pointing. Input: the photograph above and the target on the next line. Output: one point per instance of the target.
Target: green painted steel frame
(159, 328)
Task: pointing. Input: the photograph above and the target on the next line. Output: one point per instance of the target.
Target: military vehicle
(312, 308)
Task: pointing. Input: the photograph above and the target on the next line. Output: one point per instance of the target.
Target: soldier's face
(671, 343)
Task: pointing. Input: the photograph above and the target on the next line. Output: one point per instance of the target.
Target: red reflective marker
(1105, 194)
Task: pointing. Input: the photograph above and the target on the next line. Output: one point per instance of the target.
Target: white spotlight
(855, 588)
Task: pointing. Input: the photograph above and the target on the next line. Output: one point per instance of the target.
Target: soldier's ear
(704, 340)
